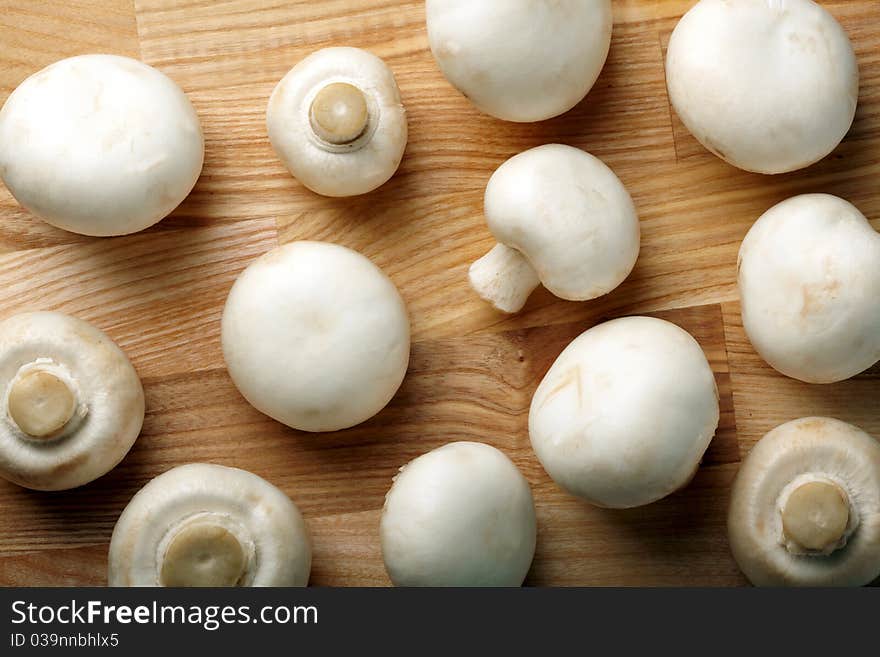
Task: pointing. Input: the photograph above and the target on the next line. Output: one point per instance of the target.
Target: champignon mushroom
(769, 86)
(624, 415)
(337, 122)
(561, 218)
(809, 280)
(520, 60)
(100, 145)
(71, 404)
(460, 515)
(805, 506)
(209, 525)
(316, 336)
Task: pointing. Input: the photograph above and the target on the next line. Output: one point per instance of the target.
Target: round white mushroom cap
(209, 525)
(809, 280)
(561, 218)
(805, 506)
(337, 122)
(520, 60)
(100, 145)
(624, 415)
(316, 336)
(769, 86)
(71, 404)
(460, 515)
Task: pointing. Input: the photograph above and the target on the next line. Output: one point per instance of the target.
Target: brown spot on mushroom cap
(571, 377)
(816, 296)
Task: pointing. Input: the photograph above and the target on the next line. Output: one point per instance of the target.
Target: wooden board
(159, 294)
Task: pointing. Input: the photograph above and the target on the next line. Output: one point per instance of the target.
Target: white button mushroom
(71, 404)
(561, 218)
(209, 525)
(770, 86)
(805, 506)
(809, 280)
(460, 515)
(100, 145)
(337, 122)
(624, 415)
(520, 60)
(316, 336)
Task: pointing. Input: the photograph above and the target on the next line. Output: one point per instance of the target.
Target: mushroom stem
(339, 113)
(504, 278)
(41, 402)
(815, 518)
(203, 553)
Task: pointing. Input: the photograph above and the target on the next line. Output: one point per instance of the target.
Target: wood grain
(160, 293)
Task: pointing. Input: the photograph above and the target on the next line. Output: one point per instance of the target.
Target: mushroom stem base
(42, 399)
(339, 113)
(504, 278)
(815, 517)
(203, 553)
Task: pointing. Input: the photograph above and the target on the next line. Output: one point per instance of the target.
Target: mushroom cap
(347, 169)
(569, 215)
(267, 524)
(812, 446)
(109, 397)
(316, 336)
(624, 415)
(460, 515)
(100, 145)
(809, 281)
(768, 86)
(520, 60)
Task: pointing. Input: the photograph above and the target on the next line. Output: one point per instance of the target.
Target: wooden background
(159, 294)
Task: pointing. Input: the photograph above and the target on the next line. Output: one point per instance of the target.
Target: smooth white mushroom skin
(71, 404)
(624, 415)
(316, 336)
(208, 525)
(460, 515)
(805, 506)
(770, 86)
(337, 122)
(809, 281)
(100, 145)
(520, 60)
(561, 217)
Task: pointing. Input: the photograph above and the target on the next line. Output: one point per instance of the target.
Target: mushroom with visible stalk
(337, 122)
(460, 515)
(809, 281)
(520, 60)
(71, 404)
(316, 336)
(624, 415)
(561, 218)
(770, 86)
(205, 525)
(100, 145)
(805, 506)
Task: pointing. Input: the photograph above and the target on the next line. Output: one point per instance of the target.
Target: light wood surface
(159, 294)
